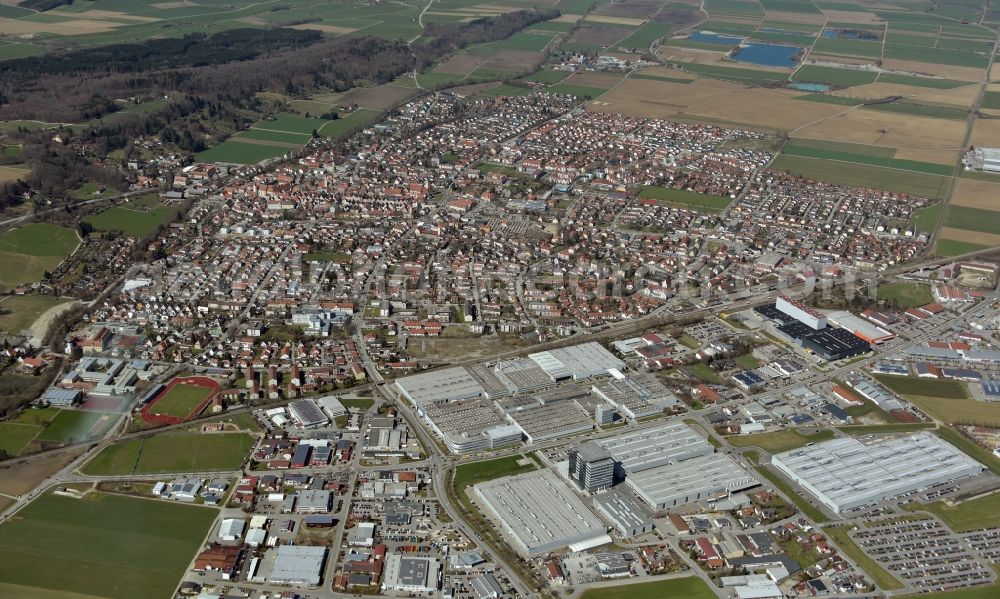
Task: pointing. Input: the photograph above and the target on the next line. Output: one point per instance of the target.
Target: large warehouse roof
(846, 474)
(439, 386)
(298, 564)
(656, 446)
(698, 478)
(539, 512)
(577, 361)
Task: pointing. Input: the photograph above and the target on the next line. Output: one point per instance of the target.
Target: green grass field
(860, 154)
(833, 171)
(688, 588)
(926, 219)
(18, 312)
(973, 219)
(235, 152)
(133, 222)
(839, 535)
(779, 441)
(357, 120)
(883, 429)
(832, 76)
(580, 91)
(14, 437)
(911, 385)
(27, 252)
(181, 400)
(176, 452)
(477, 472)
(72, 426)
(684, 199)
(954, 247)
(983, 456)
(974, 514)
(102, 546)
(359, 403)
(906, 295)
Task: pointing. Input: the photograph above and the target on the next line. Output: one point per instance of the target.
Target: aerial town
(524, 344)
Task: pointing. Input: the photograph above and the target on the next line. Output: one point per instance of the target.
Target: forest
(213, 84)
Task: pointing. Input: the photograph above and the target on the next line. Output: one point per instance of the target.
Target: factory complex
(845, 474)
(540, 513)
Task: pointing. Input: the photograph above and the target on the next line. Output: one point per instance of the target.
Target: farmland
(35, 428)
(929, 387)
(142, 546)
(18, 312)
(983, 512)
(27, 252)
(174, 452)
(269, 138)
(904, 181)
(137, 218)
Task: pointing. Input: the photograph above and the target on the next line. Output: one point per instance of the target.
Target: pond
(707, 37)
(810, 87)
(772, 55)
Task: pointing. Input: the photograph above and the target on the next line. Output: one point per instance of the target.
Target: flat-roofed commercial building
(439, 386)
(471, 425)
(808, 316)
(539, 512)
(694, 479)
(623, 513)
(845, 474)
(411, 574)
(298, 565)
(655, 446)
(577, 361)
(307, 414)
(636, 397)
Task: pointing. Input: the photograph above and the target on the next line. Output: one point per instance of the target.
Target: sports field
(27, 252)
(174, 452)
(181, 400)
(689, 588)
(100, 546)
(73, 426)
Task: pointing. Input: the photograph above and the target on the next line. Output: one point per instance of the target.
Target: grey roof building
(539, 512)
(414, 574)
(623, 513)
(298, 564)
(656, 446)
(845, 474)
(694, 479)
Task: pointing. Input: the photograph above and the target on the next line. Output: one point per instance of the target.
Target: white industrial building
(694, 479)
(577, 362)
(231, 529)
(540, 513)
(636, 397)
(331, 405)
(411, 574)
(623, 513)
(655, 446)
(298, 565)
(845, 474)
(439, 386)
(812, 318)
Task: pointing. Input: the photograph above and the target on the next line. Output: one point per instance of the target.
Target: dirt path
(40, 327)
